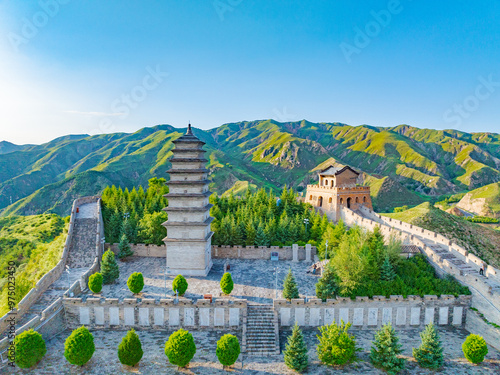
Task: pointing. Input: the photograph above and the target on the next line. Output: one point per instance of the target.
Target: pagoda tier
(189, 236)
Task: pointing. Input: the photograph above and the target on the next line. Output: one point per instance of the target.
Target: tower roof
(188, 137)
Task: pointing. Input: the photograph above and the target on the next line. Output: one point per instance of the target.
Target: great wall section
(58, 303)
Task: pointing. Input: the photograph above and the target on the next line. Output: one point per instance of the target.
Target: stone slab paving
(154, 361)
(253, 279)
(87, 211)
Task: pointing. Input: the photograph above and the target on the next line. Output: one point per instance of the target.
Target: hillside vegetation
(34, 244)
(483, 201)
(481, 241)
(419, 164)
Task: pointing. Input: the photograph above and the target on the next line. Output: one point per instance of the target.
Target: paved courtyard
(154, 361)
(254, 280)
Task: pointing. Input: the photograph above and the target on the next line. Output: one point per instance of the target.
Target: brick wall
(261, 252)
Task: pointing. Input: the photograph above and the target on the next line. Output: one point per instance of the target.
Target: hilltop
(403, 164)
(484, 201)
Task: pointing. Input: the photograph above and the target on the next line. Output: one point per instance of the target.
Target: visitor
(481, 269)
(314, 269)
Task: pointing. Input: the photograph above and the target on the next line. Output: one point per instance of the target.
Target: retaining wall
(263, 252)
(147, 314)
(366, 313)
(141, 250)
(475, 324)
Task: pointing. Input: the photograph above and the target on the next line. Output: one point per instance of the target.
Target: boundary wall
(445, 257)
(373, 313)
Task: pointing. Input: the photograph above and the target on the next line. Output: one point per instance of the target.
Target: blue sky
(73, 67)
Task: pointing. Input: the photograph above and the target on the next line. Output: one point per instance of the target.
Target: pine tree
(251, 233)
(261, 238)
(385, 349)
(387, 271)
(124, 247)
(296, 356)
(327, 287)
(109, 268)
(430, 353)
(290, 289)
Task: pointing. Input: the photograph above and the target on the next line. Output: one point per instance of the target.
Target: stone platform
(254, 280)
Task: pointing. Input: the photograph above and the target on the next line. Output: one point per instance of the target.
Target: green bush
(124, 247)
(180, 348)
(180, 285)
(135, 282)
(95, 282)
(226, 283)
(296, 357)
(29, 348)
(336, 346)
(482, 219)
(130, 349)
(385, 350)
(290, 289)
(474, 348)
(79, 346)
(109, 268)
(228, 350)
(430, 353)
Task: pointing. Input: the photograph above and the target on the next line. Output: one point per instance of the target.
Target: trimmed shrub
(130, 349)
(430, 353)
(180, 348)
(30, 348)
(327, 287)
(79, 346)
(95, 282)
(290, 289)
(124, 247)
(180, 284)
(296, 356)
(336, 346)
(226, 283)
(474, 348)
(385, 350)
(228, 349)
(135, 282)
(109, 268)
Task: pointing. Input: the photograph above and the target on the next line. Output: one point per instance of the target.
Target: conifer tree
(124, 247)
(387, 271)
(130, 349)
(290, 289)
(79, 346)
(251, 234)
(296, 357)
(109, 268)
(430, 353)
(226, 283)
(385, 350)
(327, 287)
(261, 238)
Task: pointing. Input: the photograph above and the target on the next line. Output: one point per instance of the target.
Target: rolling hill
(403, 164)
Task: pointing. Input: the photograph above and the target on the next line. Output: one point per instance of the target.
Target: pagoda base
(190, 272)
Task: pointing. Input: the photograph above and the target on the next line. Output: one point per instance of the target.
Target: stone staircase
(83, 243)
(262, 337)
(454, 259)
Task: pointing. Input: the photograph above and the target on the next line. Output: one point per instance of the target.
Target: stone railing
(141, 250)
(368, 313)
(155, 314)
(294, 253)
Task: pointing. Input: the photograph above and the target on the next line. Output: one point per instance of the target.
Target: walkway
(80, 258)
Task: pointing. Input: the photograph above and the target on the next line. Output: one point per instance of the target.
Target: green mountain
(483, 201)
(6, 147)
(403, 164)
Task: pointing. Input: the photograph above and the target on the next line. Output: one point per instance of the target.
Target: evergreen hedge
(79, 346)
(130, 349)
(228, 350)
(180, 348)
(135, 282)
(29, 348)
(95, 282)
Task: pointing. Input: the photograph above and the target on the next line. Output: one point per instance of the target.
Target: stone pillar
(295, 251)
(308, 253)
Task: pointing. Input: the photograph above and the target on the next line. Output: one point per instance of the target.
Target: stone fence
(112, 313)
(141, 250)
(294, 253)
(366, 313)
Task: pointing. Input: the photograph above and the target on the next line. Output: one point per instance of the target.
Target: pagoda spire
(189, 131)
